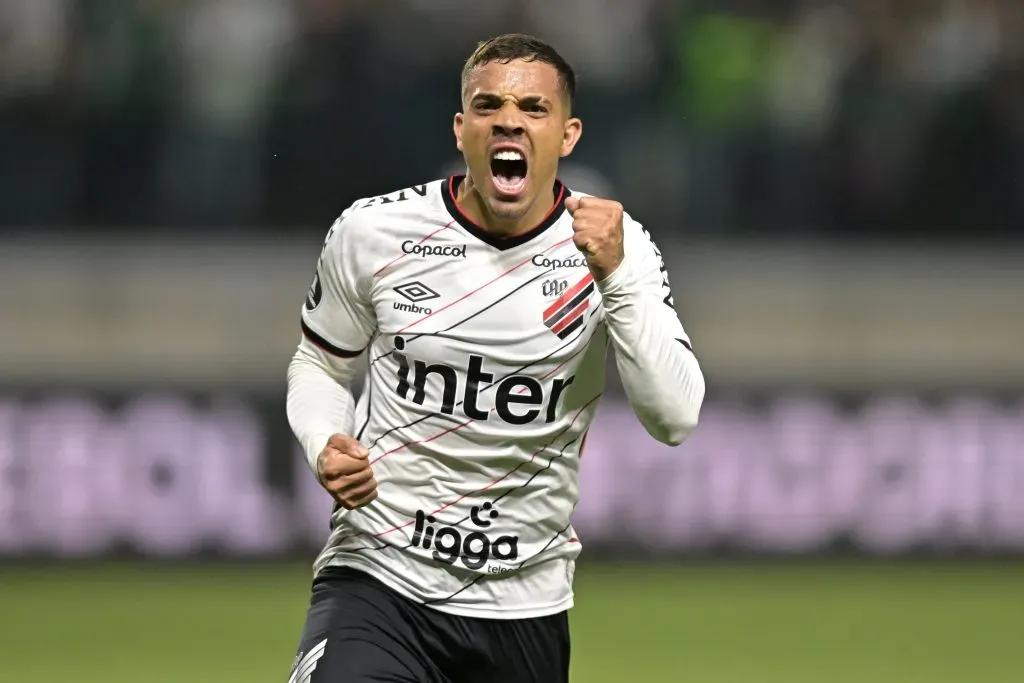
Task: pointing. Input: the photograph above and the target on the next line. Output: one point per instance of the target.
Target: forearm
(660, 374)
(319, 402)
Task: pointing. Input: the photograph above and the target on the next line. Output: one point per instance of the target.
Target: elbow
(681, 421)
(675, 428)
(675, 433)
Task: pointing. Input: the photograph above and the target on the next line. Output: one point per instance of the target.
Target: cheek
(551, 148)
(472, 143)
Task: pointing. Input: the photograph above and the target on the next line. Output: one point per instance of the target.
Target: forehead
(517, 77)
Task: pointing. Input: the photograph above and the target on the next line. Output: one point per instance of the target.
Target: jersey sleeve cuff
(620, 282)
(331, 348)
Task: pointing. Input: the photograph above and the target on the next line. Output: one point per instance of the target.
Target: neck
(472, 204)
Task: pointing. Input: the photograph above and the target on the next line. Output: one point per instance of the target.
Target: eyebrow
(529, 100)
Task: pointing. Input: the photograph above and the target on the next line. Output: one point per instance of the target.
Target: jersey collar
(451, 187)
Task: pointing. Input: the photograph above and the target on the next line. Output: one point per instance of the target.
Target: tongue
(509, 183)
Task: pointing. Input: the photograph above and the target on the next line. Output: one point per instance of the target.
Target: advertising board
(177, 476)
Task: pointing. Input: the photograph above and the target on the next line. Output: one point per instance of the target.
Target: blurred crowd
(902, 118)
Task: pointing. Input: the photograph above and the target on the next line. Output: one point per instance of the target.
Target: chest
(532, 312)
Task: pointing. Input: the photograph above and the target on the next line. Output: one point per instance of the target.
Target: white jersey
(486, 365)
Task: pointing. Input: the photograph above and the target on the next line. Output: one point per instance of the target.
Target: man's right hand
(344, 470)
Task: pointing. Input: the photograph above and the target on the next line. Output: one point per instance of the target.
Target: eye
(535, 109)
(486, 105)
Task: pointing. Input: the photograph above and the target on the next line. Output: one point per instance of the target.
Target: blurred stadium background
(838, 188)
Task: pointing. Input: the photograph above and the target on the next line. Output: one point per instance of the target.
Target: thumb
(348, 446)
(572, 205)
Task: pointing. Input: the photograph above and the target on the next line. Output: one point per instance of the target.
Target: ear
(457, 127)
(570, 136)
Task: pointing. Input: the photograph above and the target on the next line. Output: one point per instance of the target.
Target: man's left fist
(597, 224)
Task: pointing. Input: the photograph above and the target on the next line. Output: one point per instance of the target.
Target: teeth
(508, 155)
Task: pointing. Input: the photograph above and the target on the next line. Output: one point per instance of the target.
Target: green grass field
(732, 623)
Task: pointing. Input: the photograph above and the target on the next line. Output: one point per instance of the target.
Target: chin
(507, 208)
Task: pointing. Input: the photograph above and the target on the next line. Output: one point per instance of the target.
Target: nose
(507, 122)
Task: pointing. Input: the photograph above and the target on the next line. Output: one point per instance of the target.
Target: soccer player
(484, 304)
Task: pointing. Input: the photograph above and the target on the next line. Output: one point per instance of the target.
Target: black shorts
(360, 631)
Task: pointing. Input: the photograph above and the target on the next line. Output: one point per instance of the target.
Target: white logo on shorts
(302, 670)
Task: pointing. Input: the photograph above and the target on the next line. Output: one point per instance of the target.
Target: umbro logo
(416, 292)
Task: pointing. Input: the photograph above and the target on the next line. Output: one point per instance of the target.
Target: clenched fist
(343, 467)
(597, 224)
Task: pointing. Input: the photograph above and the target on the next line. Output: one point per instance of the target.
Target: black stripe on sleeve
(326, 345)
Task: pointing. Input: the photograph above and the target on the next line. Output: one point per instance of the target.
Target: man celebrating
(485, 304)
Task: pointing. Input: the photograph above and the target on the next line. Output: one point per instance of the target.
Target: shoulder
(405, 200)
(373, 217)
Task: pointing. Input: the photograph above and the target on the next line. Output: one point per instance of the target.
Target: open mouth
(508, 171)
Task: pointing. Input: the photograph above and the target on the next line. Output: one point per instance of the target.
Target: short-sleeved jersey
(486, 361)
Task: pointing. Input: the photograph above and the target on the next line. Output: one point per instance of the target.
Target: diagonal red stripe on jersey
(463, 424)
(571, 317)
(481, 287)
(402, 256)
(497, 481)
(567, 297)
(493, 384)
(557, 367)
(458, 426)
(427, 440)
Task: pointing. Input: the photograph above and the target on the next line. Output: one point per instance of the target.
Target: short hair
(512, 46)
